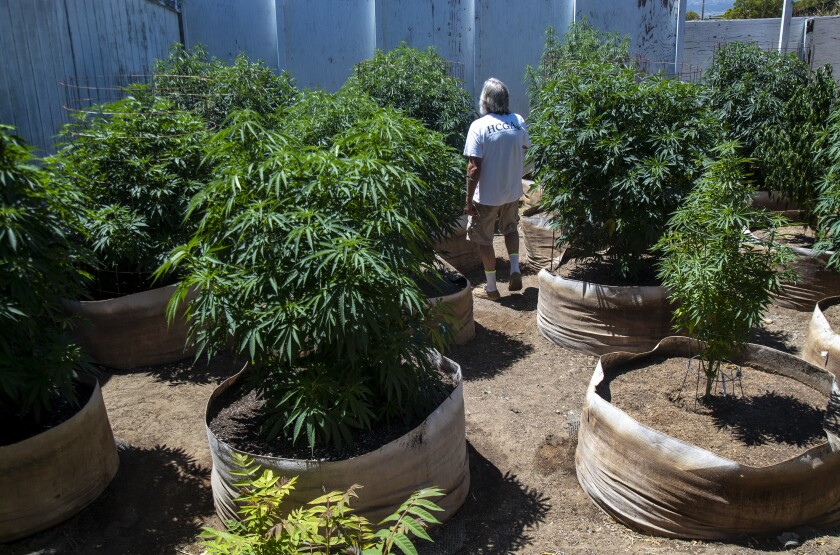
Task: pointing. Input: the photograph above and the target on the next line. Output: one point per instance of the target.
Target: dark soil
(236, 419)
(751, 426)
(832, 315)
(16, 429)
(603, 272)
(113, 284)
(442, 281)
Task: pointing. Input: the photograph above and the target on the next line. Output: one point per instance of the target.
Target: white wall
(702, 37)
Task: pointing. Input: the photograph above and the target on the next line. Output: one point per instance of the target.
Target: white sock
(514, 263)
(491, 280)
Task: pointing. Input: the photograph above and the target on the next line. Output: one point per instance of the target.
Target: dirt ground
(524, 496)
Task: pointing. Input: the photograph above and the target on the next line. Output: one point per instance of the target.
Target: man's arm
(473, 173)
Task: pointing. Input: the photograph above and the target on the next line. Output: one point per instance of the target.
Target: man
(495, 146)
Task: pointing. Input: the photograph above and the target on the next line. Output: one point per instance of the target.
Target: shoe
(482, 293)
(515, 282)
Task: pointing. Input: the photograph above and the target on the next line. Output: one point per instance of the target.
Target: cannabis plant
(758, 94)
(418, 83)
(306, 258)
(828, 201)
(195, 81)
(616, 151)
(581, 44)
(137, 163)
(790, 150)
(324, 525)
(39, 264)
(720, 277)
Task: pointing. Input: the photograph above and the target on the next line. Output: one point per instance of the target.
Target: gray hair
(494, 98)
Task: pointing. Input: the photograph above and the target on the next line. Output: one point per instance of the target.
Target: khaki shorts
(481, 227)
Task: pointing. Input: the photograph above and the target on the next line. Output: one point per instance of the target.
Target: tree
(691, 15)
(754, 9)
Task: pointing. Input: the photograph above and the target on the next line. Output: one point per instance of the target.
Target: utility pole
(703, 10)
(787, 8)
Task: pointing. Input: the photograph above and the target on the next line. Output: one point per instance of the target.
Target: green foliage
(581, 45)
(306, 257)
(754, 92)
(324, 525)
(39, 264)
(691, 15)
(616, 151)
(417, 82)
(318, 116)
(754, 9)
(789, 150)
(828, 202)
(720, 277)
(199, 83)
(804, 8)
(137, 163)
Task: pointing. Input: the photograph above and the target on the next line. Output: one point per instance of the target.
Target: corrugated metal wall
(44, 42)
(322, 39)
(318, 41)
(228, 27)
(651, 24)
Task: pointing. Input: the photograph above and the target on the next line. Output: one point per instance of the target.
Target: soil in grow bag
(236, 420)
(764, 419)
(14, 429)
(601, 272)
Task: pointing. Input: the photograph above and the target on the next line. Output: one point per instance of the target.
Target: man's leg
(488, 260)
(480, 230)
(512, 245)
(509, 226)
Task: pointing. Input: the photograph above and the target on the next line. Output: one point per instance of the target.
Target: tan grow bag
(48, 478)
(597, 319)
(657, 484)
(822, 344)
(131, 331)
(815, 281)
(539, 239)
(459, 252)
(433, 454)
(461, 307)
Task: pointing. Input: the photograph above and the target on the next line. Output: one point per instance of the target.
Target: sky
(713, 7)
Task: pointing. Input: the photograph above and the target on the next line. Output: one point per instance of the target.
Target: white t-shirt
(500, 142)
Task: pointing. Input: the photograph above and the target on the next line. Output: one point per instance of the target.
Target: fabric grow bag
(597, 319)
(815, 282)
(432, 454)
(48, 478)
(461, 305)
(539, 239)
(657, 484)
(130, 331)
(459, 252)
(822, 344)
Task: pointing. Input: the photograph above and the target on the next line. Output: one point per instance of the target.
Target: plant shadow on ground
(495, 516)
(126, 518)
(766, 418)
(779, 340)
(188, 370)
(489, 353)
(524, 302)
